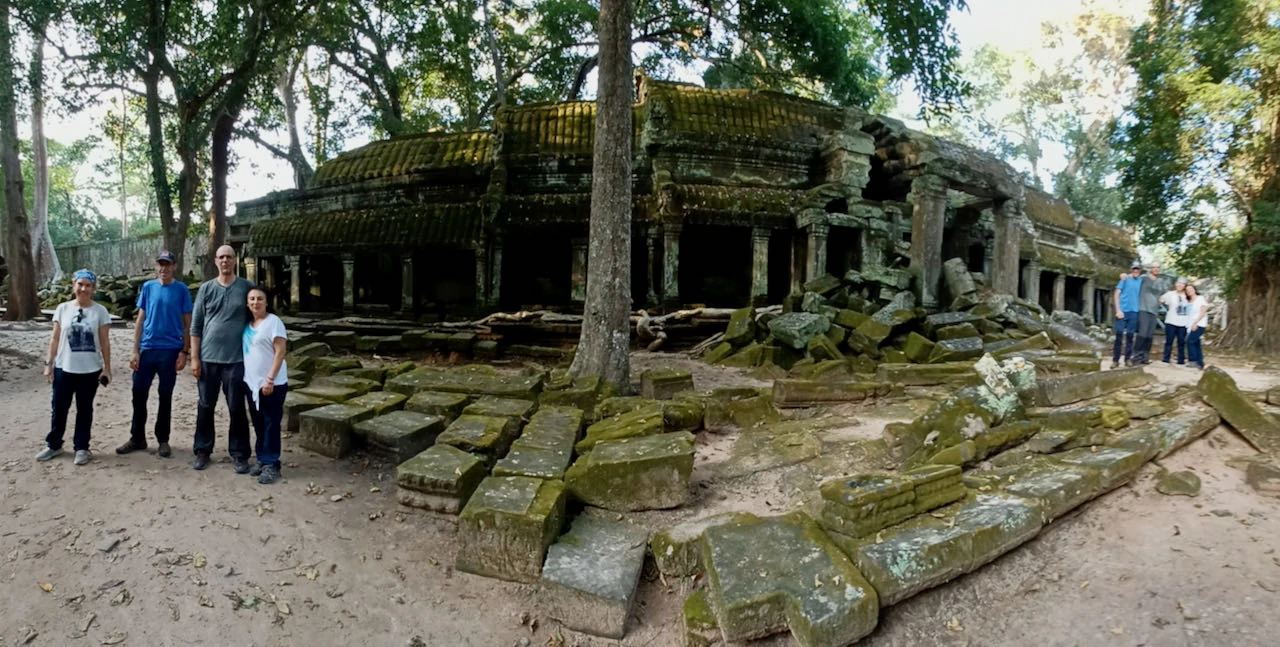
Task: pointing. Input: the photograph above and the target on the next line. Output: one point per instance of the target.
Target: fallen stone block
(1050, 366)
(935, 322)
(295, 404)
(644, 473)
(749, 356)
(487, 435)
(440, 478)
(537, 462)
(1066, 390)
(590, 575)
(958, 331)
(958, 279)
(329, 392)
(662, 384)
(645, 421)
(850, 319)
(555, 428)
(507, 525)
(742, 407)
(1055, 487)
(366, 373)
(795, 329)
(1182, 483)
(957, 350)
(1239, 410)
(502, 408)
(1037, 341)
(1264, 477)
(471, 382)
(330, 365)
(327, 430)
(821, 348)
(446, 405)
(360, 385)
(1273, 396)
(313, 349)
(742, 327)
(1159, 437)
(769, 575)
(1115, 465)
(400, 434)
(806, 393)
(718, 353)
(700, 628)
(677, 551)
(380, 401)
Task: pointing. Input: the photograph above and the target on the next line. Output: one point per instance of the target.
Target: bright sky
(1011, 25)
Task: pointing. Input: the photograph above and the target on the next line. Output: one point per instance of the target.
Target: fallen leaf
(1085, 585)
(375, 489)
(1119, 631)
(206, 602)
(336, 498)
(199, 560)
(115, 638)
(46, 587)
(954, 624)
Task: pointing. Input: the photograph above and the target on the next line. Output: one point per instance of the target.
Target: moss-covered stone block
(327, 430)
(440, 478)
(700, 628)
(936, 322)
(918, 348)
(380, 401)
(1261, 429)
(636, 473)
(749, 356)
(1037, 341)
(747, 407)
(923, 374)
(321, 366)
(515, 410)
(590, 575)
(341, 339)
(1159, 437)
(553, 428)
(1053, 486)
(471, 381)
(769, 575)
(446, 405)
(742, 327)
(400, 435)
(312, 350)
(850, 319)
(677, 551)
(1067, 390)
(956, 350)
(644, 421)
(295, 404)
(809, 393)
(507, 525)
(663, 383)
(1115, 465)
(489, 436)
(361, 386)
(374, 373)
(795, 329)
(718, 353)
(821, 348)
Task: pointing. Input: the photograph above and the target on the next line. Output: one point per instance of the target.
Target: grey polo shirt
(1149, 297)
(218, 319)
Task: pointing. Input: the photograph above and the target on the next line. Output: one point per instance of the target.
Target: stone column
(798, 262)
(1060, 292)
(407, 300)
(760, 265)
(348, 282)
(1031, 281)
(295, 282)
(929, 213)
(1007, 249)
(578, 271)
(482, 272)
(816, 262)
(495, 272)
(671, 263)
(1089, 297)
(251, 270)
(651, 243)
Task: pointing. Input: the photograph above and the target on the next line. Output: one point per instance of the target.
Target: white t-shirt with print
(1178, 309)
(80, 349)
(1198, 306)
(259, 353)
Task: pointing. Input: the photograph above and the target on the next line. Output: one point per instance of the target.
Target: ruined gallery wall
(130, 256)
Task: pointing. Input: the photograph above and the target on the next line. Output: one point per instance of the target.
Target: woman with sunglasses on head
(1198, 321)
(79, 360)
(267, 378)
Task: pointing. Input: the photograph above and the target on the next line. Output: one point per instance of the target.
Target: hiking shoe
(82, 456)
(164, 451)
(269, 474)
(201, 461)
(256, 469)
(48, 453)
(240, 465)
(130, 446)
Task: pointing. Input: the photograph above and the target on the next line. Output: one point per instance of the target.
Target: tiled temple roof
(436, 224)
(760, 115)
(406, 156)
(553, 129)
(1043, 208)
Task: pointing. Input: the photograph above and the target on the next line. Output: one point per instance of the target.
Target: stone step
(485, 435)
(446, 405)
(295, 404)
(327, 430)
(380, 401)
(590, 575)
(400, 434)
(441, 478)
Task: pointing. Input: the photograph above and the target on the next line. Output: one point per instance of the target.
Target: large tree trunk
(22, 302)
(155, 128)
(302, 171)
(47, 267)
(220, 162)
(606, 324)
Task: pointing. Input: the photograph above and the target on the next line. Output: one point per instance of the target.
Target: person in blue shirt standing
(1126, 302)
(161, 343)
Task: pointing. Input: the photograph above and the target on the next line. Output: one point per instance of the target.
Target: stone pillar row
(1060, 291)
(1008, 247)
(816, 259)
(929, 206)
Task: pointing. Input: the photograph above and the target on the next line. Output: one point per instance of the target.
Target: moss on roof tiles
(408, 155)
(1109, 235)
(1067, 262)
(556, 129)
(1046, 209)
(743, 113)
(450, 224)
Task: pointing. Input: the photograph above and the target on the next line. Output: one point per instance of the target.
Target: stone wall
(125, 257)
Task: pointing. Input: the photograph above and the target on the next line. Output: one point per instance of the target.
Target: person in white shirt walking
(1198, 321)
(79, 360)
(266, 379)
(1176, 318)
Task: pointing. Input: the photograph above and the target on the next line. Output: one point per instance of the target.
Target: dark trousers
(153, 363)
(1125, 329)
(1195, 352)
(229, 379)
(81, 386)
(1146, 334)
(1171, 334)
(267, 418)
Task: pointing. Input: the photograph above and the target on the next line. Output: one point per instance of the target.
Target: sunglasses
(80, 317)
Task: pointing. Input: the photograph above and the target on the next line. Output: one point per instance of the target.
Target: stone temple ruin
(740, 197)
(993, 418)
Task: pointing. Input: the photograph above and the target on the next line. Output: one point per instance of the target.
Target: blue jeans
(1171, 334)
(81, 386)
(1195, 352)
(229, 379)
(1125, 330)
(152, 363)
(267, 419)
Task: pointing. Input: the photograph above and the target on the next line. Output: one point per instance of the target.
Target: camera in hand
(104, 380)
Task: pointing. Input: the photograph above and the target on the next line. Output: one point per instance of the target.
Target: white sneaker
(48, 453)
(82, 456)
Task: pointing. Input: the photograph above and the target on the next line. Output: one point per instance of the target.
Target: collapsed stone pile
(118, 294)
(835, 322)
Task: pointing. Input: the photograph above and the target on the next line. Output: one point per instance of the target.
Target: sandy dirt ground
(140, 550)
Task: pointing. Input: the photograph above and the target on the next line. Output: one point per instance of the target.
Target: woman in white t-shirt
(267, 377)
(79, 360)
(1177, 311)
(1197, 322)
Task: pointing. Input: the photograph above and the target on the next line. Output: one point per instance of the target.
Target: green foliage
(1091, 188)
(73, 213)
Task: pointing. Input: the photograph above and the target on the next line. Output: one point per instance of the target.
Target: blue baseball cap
(166, 256)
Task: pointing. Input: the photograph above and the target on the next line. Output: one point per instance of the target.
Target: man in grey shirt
(1148, 314)
(217, 360)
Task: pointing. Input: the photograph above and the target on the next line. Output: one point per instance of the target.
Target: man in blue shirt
(161, 341)
(1126, 300)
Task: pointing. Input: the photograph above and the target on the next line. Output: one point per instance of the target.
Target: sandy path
(213, 558)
